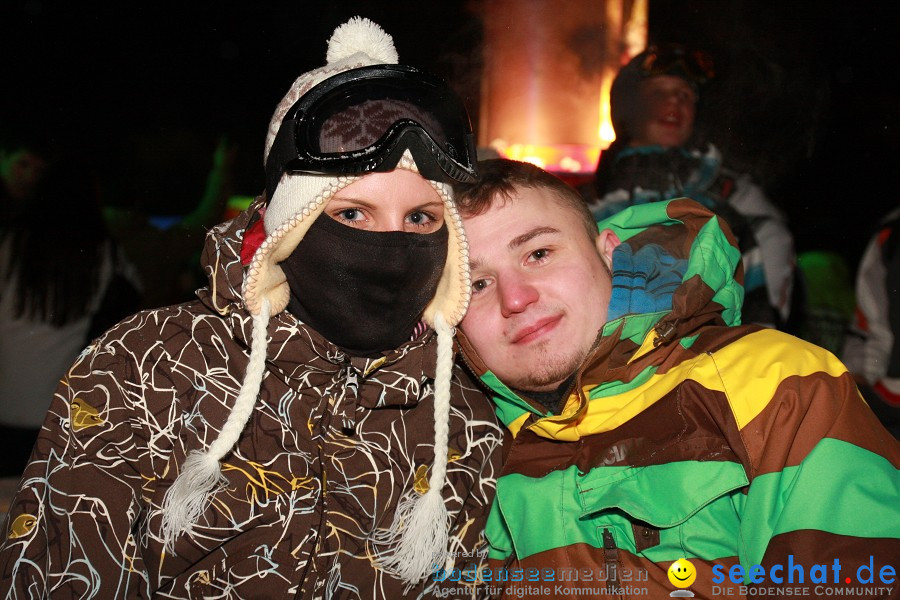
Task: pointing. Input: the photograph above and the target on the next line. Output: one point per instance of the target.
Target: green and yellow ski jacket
(744, 450)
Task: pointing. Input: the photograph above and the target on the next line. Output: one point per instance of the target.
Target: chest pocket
(666, 511)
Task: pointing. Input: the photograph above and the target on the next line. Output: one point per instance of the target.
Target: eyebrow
(529, 235)
(477, 263)
(353, 200)
(431, 204)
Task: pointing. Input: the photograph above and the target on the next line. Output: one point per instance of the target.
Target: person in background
(166, 255)
(872, 346)
(25, 153)
(300, 429)
(825, 308)
(63, 280)
(657, 156)
(648, 425)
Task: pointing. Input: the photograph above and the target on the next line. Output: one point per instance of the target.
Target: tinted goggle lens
(344, 124)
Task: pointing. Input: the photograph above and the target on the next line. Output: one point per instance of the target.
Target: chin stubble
(549, 370)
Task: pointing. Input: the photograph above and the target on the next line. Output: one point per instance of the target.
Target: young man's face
(667, 112)
(540, 289)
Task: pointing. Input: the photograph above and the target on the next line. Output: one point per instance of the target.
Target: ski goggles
(673, 59)
(363, 120)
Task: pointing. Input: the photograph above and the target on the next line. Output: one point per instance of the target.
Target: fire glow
(563, 158)
(542, 77)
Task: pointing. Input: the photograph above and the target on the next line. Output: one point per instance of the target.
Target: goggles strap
(280, 154)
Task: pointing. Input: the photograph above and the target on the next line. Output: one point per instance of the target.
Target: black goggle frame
(447, 154)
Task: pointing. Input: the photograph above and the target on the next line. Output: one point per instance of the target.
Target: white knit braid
(416, 543)
(201, 473)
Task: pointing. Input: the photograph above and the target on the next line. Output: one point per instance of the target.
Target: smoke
(588, 44)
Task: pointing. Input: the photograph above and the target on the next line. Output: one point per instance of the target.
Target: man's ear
(606, 242)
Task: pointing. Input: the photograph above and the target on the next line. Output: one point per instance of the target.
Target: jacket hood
(677, 269)
(221, 261)
(642, 174)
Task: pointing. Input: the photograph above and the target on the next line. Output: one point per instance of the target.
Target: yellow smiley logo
(682, 573)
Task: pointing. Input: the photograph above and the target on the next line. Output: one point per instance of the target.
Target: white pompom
(361, 35)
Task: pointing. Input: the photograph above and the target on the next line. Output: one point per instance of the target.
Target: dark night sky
(147, 88)
(807, 97)
(809, 100)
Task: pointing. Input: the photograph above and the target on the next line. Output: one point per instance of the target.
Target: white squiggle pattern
(303, 496)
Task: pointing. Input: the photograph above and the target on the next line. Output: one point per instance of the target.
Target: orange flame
(633, 42)
(525, 108)
(559, 158)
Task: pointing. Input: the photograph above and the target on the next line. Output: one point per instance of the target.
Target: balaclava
(364, 290)
(418, 536)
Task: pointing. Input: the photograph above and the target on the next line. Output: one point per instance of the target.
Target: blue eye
(420, 219)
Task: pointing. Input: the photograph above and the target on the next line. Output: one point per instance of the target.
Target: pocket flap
(660, 495)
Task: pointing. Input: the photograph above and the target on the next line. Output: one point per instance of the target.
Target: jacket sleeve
(867, 350)
(824, 472)
(70, 527)
(774, 240)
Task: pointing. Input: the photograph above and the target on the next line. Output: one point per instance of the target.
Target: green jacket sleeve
(825, 485)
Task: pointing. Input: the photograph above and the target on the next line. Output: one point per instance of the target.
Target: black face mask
(363, 290)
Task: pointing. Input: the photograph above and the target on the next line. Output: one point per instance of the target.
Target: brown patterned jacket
(304, 493)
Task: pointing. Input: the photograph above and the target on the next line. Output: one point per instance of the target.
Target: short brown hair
(500, 178)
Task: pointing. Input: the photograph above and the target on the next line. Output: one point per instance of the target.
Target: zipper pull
(663, 333)
(351, 395)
